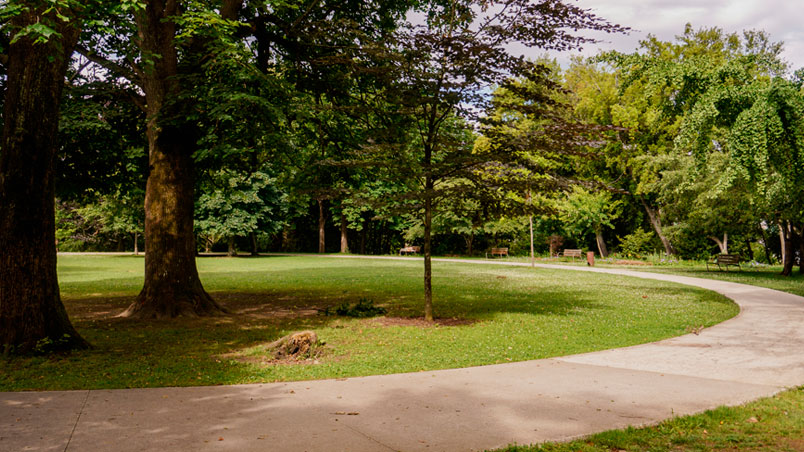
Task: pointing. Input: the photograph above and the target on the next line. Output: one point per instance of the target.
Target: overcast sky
(782, 19)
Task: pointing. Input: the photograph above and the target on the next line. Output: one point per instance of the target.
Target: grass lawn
(489, 315)
(771, 424)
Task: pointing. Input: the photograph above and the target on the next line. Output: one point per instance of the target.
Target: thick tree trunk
(470, 241)
(322, 223)
(32, 316)
(172, 287)
(723, 245)
(601, 244)
(344, 234)
(750, 250)
(656, 222)
(428, 268)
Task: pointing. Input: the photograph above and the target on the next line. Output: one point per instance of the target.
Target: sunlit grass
(503, 314)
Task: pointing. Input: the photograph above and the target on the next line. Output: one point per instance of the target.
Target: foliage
(637, 244)
(240, 205)
(363, 308)
(585, 211)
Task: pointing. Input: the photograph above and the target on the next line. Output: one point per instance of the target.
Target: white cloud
(666, 19)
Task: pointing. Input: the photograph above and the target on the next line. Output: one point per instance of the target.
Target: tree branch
(133, 75)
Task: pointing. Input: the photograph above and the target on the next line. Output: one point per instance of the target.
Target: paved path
(755, 354)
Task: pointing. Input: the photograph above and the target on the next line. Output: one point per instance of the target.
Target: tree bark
(656, 222)
(172, 286)
(254, 250)
(231, 251)
(601, 244)
(344, 234)
(136, 245)
(428, 268)
(32, 316)
(322, 223)
(788, 248)
(723, 245)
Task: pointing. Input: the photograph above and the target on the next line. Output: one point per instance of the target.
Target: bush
(637, 244)
(363, 308)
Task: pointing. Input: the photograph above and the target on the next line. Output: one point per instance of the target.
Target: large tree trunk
(656, 222)
(32, 316)
(172, 287)
(344, 234)
(254, 249)
(601, 244)
(231, 250)
(322, 224)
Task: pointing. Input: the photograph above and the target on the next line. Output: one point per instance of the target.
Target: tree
(441, 71)
(41, 40)
(584, 211)
(240, 206)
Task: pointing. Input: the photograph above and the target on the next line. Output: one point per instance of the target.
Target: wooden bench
(572, 253)
(724, 260)
(498, 252)
(410, 250)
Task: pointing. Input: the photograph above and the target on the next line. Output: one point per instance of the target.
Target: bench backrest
(499, 250)
(572, 253)
(728, 258)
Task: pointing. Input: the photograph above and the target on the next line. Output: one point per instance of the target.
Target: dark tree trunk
(363, 234)
(322, 224)
(788, 248)
(470, 241)
(344, 234)
(31, 312)
(254, 250)
(428, 268)
(750, 250)
(231, 250)
(172, 287)
(656, 222)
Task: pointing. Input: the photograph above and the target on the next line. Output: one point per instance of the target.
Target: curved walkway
(755, 354)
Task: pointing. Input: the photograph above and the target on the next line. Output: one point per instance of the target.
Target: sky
(666, 19)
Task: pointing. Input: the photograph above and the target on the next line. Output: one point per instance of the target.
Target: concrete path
(758, 353)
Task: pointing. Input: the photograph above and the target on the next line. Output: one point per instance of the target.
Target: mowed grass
(498, 314)
(770, 424)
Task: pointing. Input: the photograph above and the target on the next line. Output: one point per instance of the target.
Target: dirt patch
(420, 322)
(630, 262)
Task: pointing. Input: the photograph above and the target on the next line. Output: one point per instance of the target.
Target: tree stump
(299, 345)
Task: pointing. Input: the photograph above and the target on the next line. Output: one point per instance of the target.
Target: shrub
(363, 308)
(637, 244)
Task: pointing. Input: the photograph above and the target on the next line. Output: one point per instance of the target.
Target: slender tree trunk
(428, 269)
(136, 245)
(723, 245)
(788, 248)
(322, 223)
(32, 316)
(765, 244)
(363, 234)
(656, 222)
(532, 254)
(172, 287)
(601, 244)
(782, 245)
(254, 249)
(344, 234)
(470, 240)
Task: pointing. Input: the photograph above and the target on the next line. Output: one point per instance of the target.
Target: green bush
(637, 244)
(362, 309)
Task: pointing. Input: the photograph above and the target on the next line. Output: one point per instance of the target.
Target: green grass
(501, 314)
(771, 424)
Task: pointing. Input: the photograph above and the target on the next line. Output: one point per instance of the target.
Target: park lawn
(491, 314)
(770, 424)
